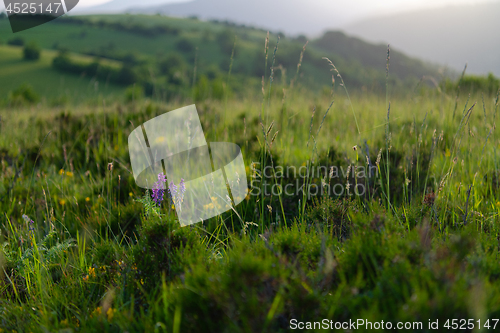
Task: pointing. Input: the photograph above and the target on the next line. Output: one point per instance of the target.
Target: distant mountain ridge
(291, 16)
(453, 35)
(117, 6)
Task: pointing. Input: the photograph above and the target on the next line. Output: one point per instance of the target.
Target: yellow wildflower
(160, 139)
(62, 202)
(96, 312)
(110, 313)
(209, 206)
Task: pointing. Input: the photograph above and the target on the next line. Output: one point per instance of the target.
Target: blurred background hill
(172, 57)
(449, 33)
(191, 48)
(452, 35)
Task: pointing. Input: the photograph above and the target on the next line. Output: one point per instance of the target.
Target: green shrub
(16, 41)
(31, 51)
(225, 39)
(488, 83)
(124, 76)
(185, 45)
(162, 249)
(174, 61)
(474, 83)
(133, 93)
(202, 89)
(331, 214)
(23, 95)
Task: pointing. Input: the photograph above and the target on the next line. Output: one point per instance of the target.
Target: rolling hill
(291, 17)
(118, 6)
(166, 53)
(49, 84)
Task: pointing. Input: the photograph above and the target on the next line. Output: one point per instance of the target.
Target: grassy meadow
(84, 249)
(49, 85)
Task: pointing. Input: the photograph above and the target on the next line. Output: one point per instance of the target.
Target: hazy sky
(353, 7)
(89, 3)
(380, 5)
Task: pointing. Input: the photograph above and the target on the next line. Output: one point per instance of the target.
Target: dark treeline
(123, 76)
(134, 28)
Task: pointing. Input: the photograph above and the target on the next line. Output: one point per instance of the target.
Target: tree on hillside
(174, 61)
(185, 45)
(31, 51)
(23, 95)
(226, 39)
(16, 41)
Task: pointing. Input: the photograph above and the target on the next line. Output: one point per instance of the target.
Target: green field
(15, 71)
(84, 249)
(208, 47)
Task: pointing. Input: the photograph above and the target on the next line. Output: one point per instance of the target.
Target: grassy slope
(46, 81)
(363, 62)
(341, 259)
(69, 36)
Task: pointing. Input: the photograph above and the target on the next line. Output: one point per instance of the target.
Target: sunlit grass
(421, 246)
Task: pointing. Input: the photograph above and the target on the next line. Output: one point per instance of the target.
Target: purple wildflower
(31, 222)
(172, 188)
(182, 187)
(158, 190)
(177, 192)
